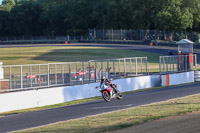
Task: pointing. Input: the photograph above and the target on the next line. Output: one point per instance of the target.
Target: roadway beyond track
(38, 118)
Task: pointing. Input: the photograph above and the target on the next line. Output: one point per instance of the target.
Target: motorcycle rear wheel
(106, 96)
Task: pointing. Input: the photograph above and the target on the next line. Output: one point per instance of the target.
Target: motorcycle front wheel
(106, 96)
(119, 97)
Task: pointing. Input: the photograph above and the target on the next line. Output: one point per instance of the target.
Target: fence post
(55, 75)
(70, 73)
(112, 34)
(136, 66)
(10, 77)
(48, 75)
(173, 64)
(160, 64)
(63, 80)
(119, 67)
(21, 75)
(95, 76)
(141, 65)
(121, 34)
(195, 62)
(130, 66)
(146, 65)
(124, 67)
(39, 75)
(108, 69)
(94, 33)
(89, 71)
(114, 68)
(31, 75)
(82, 68)
(103, 34)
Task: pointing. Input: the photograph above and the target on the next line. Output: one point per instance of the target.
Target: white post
(1, 71)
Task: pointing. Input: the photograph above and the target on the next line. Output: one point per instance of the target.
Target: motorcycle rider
(106, 81)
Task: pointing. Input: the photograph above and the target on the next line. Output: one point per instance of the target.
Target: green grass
(40, 55)
(124, 118)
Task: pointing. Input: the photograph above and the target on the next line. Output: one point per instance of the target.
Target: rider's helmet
(103, 78)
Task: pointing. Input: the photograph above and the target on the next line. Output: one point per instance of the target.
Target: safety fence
(72, 73)
(126, 35)
(131, 35)
(177, 63)
(35, 38)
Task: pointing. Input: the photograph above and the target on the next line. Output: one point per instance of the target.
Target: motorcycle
(108, 92)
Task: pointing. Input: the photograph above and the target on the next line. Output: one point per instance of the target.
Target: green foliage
(7, 5)
(61, 17)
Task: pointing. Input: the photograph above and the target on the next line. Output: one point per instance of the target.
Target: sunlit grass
(40, 55)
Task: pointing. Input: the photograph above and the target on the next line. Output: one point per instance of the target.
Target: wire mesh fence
(142, 35)
(177, 63)
(126, 35)
(72, 73)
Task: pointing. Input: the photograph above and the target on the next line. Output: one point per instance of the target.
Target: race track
(33, 119)
(38, 118)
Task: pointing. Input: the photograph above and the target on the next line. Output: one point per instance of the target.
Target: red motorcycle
(109, 91)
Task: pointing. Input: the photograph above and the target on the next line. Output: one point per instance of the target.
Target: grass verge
(124, 118)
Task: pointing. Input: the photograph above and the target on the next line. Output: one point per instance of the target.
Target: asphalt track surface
(33, 119)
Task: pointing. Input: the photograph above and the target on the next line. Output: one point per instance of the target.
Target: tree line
(62, 17)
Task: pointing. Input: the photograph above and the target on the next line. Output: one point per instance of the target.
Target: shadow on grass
(86, 54)
(70, 55)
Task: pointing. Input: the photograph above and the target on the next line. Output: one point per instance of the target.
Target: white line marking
(129, 105)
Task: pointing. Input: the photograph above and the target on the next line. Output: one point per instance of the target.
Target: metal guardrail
(34, 76)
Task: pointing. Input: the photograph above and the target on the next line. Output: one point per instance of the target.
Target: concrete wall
(41, 97)
(178, 78)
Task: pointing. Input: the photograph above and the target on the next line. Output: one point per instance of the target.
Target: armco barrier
(42, 97)
(177, 78)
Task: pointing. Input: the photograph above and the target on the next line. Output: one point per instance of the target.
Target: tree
(7, 5)
(176, 15)
(24, 19)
